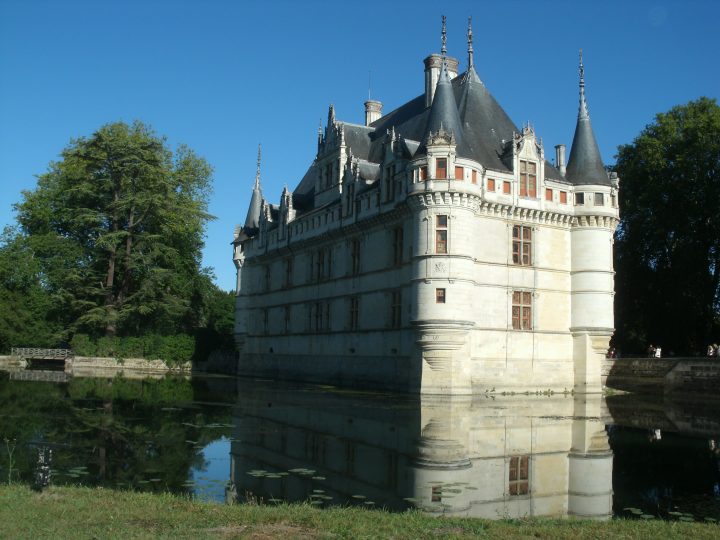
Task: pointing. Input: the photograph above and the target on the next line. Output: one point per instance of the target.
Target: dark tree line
(109, 244)
(667, 249)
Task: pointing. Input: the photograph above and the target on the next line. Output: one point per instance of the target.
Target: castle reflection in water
(485, 456)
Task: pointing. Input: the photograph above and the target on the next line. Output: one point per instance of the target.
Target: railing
(41, 354)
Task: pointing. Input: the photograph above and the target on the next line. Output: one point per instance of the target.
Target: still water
(492, 456)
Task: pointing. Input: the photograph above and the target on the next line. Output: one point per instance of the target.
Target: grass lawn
(76, 512)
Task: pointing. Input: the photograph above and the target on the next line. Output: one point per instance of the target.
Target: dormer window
(441, 168)
(528, 179)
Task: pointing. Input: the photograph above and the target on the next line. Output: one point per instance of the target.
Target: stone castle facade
(433, 250)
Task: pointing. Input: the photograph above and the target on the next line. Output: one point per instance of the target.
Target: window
(441, 234)
(320, 265)
(287, 319)
(522, 310)
(265, 320)
(519, 475)
(613, 200)
(441, 168)
(353, 315)
(563, 197)
(389, 184)
(439, 296)
(522, 245)
(328, 174)
(491, 184)
(599, 199)
(355, 257)
(266, 278)
(528, 179)
(459, 173)
(423, 173)
(397, 246)
(579, 199)
(548, 194)
(474, 177)
(320, 316)
(395, 307)
(288, 272)
(506, 188)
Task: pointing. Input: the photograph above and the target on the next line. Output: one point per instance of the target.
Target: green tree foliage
(668, 242)
(25, 309)
(117, 227)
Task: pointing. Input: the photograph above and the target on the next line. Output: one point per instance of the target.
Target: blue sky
(222, 76)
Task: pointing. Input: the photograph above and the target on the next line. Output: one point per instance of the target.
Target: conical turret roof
(444, 113)
(252, 221)
(585, 165)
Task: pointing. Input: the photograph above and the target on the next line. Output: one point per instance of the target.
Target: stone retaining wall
(666, 375)
(91, 365)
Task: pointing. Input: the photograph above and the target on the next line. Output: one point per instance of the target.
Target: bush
(174, 350)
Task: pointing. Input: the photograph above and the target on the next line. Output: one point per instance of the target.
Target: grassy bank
(98, 513)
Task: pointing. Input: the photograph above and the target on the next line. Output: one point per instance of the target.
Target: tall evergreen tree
(668, 242)
(118, 226)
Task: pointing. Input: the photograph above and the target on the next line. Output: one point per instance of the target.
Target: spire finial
(583, 104)
(257, 173)
(470, 45)
(443, 49)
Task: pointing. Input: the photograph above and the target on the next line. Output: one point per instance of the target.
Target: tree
(668, 242)
(25, 309)
(118, 227)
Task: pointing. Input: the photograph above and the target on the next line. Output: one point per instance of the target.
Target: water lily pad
(359, 497)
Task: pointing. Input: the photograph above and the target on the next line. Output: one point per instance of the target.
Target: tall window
(389, 184)
(395, 309)
(506, 188)
(441, 234)
(579, 199)
(548, 194)
(423, 173)
(355, 257)
(328, 174)
(459, 173)
(354, 313)
(563, 197)
(528, 179)
(288, 272)
(522, 310)
(266, 278)
(519, 483)
(491, 184)
(599, 199)
(265, 320)
(441, 168)
(287, 319)
(522, 245)
(397, 246)
(474, 176)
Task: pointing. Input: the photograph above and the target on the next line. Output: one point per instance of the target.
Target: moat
(492, 456)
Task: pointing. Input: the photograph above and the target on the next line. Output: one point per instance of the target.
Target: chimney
(432, 74)
(560, 158)
(373, 111)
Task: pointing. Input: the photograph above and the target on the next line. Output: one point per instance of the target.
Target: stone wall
(690, 376)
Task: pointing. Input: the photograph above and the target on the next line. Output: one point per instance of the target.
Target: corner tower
(592, 273)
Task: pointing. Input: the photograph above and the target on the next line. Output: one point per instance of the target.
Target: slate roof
(585, 165)
(463, 105)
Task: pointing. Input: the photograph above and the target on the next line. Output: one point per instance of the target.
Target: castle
(433, 250)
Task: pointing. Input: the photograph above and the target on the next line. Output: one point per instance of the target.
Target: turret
(592, 322)
(252, 221)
